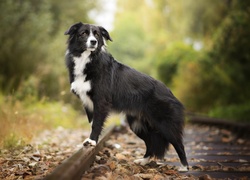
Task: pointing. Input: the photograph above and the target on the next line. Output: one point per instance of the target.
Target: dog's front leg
(97, 125)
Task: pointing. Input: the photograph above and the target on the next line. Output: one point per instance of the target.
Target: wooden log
(78, 163)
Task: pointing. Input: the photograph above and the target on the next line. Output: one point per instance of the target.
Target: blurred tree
(33, 42)
(218, 82)
(169, 61)
(203, 17)
(25, 25)
(231, 57)
(195, 19)
(65, 13)
(129, 40)
(231, 53)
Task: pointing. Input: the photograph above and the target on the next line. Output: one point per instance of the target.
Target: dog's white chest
(80, 86)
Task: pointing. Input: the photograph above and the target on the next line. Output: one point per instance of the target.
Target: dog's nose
(93, 42)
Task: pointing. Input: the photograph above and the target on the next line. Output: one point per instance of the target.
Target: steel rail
(241, 129)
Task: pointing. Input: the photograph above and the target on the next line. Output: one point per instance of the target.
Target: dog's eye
(96, 34)
(85, 33)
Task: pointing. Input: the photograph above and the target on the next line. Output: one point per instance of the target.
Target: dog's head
(84, 37)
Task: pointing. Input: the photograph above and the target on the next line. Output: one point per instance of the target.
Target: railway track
(214, 151)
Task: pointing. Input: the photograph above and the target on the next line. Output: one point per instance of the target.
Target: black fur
(117, 87)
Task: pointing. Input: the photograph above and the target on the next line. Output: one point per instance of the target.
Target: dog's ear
(105, 33)
(73, 28)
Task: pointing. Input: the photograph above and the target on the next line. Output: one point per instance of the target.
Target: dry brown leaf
(243, 160)
(152, 171)
(120, 156)
(144, 176)
(226, 139)
(32, 164)
(198, 167)
(205, 177)
(171, 172)
(158, 177)
(111, 164)
(121, 170)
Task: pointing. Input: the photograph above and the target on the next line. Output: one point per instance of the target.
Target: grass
(20, 121)
(234, 112)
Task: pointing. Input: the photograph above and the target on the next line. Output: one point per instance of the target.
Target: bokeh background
(200, 49)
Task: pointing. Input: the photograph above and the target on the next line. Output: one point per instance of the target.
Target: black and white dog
(103, 84)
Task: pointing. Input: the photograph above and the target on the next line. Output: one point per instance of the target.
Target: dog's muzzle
(92, 43)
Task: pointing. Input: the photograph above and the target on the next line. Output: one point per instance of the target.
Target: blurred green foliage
(219, 83)
(172, 58)
(24, 28)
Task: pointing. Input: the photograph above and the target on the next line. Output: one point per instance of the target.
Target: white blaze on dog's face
(92, 42)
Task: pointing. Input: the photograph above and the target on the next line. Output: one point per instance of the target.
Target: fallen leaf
(240, 141)
(205, 177)
(120, 156)
(19, 173)
(144, 176)
(199, 167)
(171, 172)
(36, 158)
(32, 164)
(158, 177)
(242, 160)
(26, 160)
(117, 146)
(111, 164)
(226, 139)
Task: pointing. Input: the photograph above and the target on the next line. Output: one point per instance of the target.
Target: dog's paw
(88, 142)
(142, 161)
(183, 169)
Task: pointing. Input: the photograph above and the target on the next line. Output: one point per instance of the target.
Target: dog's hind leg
(148, 154)
(174, 136)
(178, 145)
(139, 130)
(156, 144)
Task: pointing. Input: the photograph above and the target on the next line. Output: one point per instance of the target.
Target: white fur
(103, 49)
(142, 161)
(67, 52)
(104, 41)
(90, 38)
(89, 141)
(104, 46)
(79, 85)
(183, 169)
(123, 119)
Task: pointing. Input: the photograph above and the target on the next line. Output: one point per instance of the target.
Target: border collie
(103, 85)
